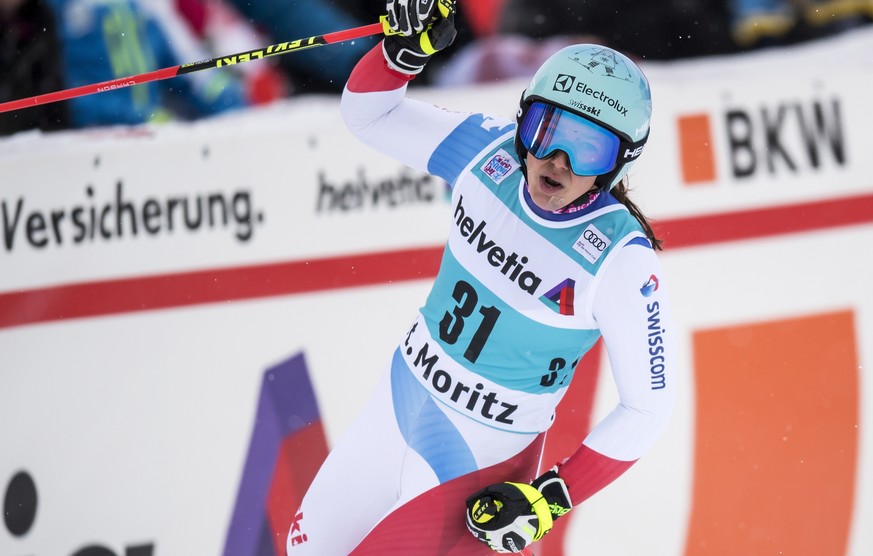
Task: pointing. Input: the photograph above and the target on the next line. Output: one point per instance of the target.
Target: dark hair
(620, 192)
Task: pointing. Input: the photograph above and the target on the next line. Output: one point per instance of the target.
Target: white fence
(154, 281)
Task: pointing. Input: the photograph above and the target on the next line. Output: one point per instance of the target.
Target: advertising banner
(192, 314)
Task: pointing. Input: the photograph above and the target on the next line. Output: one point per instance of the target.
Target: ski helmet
(600, 85)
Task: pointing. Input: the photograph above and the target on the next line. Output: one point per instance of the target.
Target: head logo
(650, 287)
(560, 298)
(642, 130)
(633, 154)
(564, 83)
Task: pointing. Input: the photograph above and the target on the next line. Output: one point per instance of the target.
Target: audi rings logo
(563, 83)
(595, 240)
(592, 243)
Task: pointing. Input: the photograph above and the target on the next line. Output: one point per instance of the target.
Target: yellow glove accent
(540, 507)
(445, 7)
(425, 44)
(480, 513)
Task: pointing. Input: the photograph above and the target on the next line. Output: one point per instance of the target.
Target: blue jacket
(108, 39)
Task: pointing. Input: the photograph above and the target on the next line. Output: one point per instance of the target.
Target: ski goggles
(592, 149)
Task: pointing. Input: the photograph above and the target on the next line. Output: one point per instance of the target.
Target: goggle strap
(628, 151)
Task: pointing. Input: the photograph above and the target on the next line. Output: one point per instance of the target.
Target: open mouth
(550, 185)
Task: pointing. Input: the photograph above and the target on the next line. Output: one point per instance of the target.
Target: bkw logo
(788, 138)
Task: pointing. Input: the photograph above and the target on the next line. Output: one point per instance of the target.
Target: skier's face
(551, 184)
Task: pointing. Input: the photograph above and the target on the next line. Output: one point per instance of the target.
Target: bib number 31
(452, 323)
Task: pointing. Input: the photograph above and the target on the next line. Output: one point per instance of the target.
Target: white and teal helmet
(588, 83)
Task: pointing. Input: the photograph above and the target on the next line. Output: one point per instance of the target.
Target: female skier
(545, 255)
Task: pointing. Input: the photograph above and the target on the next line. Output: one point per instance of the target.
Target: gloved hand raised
(410, 17)
(416, 30)
(510, 516)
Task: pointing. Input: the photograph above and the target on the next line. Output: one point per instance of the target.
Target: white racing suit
(521, 295)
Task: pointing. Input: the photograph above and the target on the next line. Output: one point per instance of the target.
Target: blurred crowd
(49, 45)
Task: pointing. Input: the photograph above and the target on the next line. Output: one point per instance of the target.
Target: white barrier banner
(191, 314)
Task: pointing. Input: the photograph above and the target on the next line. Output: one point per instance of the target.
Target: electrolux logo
(564, 83)
(778, 139)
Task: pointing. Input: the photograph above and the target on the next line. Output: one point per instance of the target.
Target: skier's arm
(376, 110)
(634, 317)
(418, 134)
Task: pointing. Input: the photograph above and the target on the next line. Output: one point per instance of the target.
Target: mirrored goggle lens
(592, 150)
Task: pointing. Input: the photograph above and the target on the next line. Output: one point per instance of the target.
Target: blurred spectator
(220, 28)
(315, 70)
(757, 23)
(481, 15)
(323, 70)
(500, 57)
(30, 64)
(649, 30)
(108, 39)
(529, 31)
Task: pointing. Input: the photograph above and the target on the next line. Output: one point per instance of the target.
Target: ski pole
(218, 62)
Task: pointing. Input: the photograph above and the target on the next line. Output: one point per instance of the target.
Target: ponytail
(620, 192)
